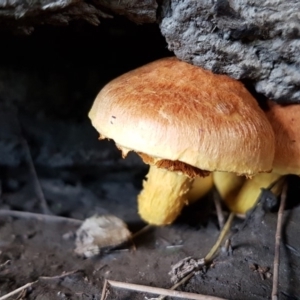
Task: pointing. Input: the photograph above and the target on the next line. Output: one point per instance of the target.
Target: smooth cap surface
(172, 110)
(285, 121)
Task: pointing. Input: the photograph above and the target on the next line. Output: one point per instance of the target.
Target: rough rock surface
(246, 39)
(135, 10)
(254, 40)
(22, 15)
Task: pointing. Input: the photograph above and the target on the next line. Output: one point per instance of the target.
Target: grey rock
(245, 39)
(22, 16)
(135, 10)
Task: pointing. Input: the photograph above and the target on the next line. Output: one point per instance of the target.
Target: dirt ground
(34, 246)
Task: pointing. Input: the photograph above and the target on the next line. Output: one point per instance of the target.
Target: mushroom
(243, 192)
(184, 122)
(285, 120)
(228, 185)
(286, 126)
(200, 187)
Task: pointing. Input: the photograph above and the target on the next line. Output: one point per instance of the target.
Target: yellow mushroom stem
(228, 185)
(251, 189)
(164, 196)
(200, 187)
(241, 194)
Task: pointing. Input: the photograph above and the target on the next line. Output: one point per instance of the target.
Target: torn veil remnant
(185, 122)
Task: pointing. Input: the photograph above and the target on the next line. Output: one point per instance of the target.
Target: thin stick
(5, 263)
(18, 290)
(141, 231)
(104, 290)
(138, 233)
(208, 258)
(37, 185)
(27, 285)
(277, 244)
(165, 292)
(59, 276)
(178, 284)
(40, 217)
(182, 281)
(219, 211)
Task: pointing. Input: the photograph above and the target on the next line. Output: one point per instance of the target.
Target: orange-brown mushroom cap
(285, 120)
(184, 121)
(171, 110)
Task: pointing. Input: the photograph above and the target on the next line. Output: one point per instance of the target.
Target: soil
(34, 246)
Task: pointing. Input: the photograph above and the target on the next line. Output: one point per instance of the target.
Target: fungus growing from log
(184, 122)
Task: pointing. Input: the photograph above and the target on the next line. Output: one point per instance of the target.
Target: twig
(219, 211)
(208, 258)
(18, 290)
(277, 244)
(182, 281)
(104, 290)
(40, 217)
(32, 170)
(141, 231)
(37, 185)
(4, 264)
(138, 233)
(280, 181)
(27, 285)
(155, 290)
(59, 276)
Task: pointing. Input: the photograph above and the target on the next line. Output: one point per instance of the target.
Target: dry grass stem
(5, 263)
(218, 206)
(277, 244)
(27, 285)
(40, 217)
(18, 290)
(209, 257)
(154, 290)
(65, 274)
(36, 182)
(141, 231)
(104, 290)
